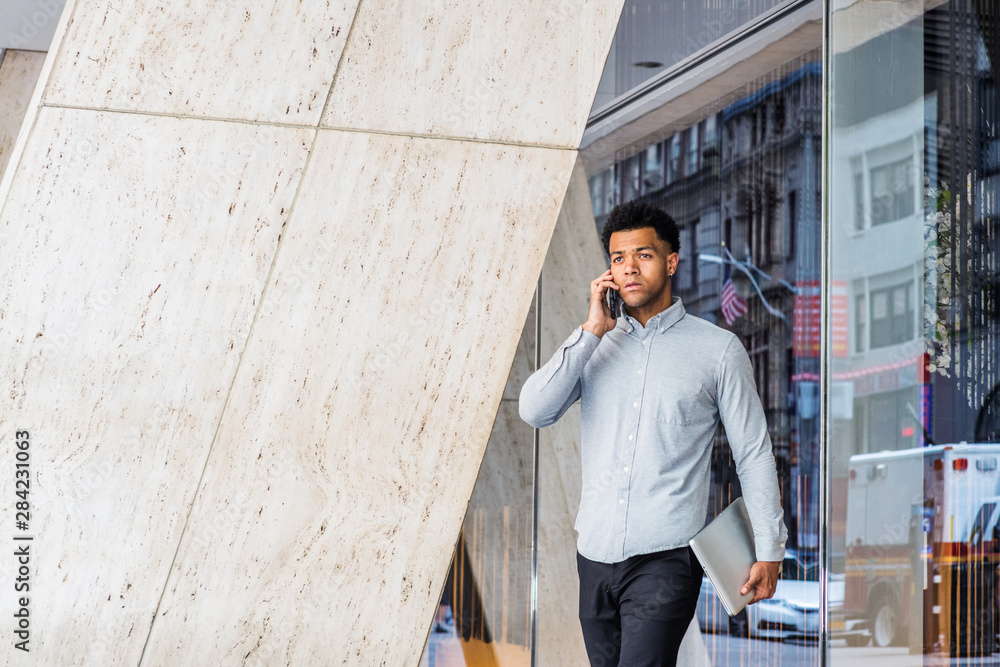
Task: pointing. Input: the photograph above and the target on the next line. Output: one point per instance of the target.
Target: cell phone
(613, 302)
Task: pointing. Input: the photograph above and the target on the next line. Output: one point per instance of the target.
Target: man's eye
(616, 259)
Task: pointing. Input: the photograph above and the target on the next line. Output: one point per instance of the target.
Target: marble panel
(224, 59)
(358, 420)
(504, 71)
(136, 250)
(19, 72)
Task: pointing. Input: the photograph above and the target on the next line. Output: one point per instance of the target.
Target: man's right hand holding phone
(601, 320)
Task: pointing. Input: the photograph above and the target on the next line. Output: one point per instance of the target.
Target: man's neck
(652, 308)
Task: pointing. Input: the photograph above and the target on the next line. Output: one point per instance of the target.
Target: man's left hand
(763, 580)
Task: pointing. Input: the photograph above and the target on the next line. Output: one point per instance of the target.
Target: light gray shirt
(651, 400)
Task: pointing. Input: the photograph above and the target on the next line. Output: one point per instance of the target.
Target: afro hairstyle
(638, 214)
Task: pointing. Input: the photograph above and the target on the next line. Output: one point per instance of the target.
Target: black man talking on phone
(653, 384)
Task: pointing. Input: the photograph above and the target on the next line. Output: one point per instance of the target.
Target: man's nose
(630, 267)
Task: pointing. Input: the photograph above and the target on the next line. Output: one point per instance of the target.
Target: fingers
(604, 277)
(751, 583)
(759, 583)
(603, 282)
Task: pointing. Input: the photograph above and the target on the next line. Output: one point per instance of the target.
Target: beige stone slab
(242, 59)
(19, 72)
(126, 302)
(505, 71)
(358, 419)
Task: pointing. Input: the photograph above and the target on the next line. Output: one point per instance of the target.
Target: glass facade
(847, 200)
(912, 230)
(744, 185)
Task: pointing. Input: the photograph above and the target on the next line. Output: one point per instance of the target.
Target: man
(653, 385)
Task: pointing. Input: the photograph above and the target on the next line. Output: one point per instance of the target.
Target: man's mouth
(631, 285)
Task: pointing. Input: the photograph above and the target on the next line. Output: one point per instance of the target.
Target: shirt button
(635, 405)
(639, 372)
(629, 437)
(644, 342)
(621, 501)
(626, 468)
(583, 344)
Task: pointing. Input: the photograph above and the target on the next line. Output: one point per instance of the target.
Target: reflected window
(859, 195)
(793, 220)
(632, 168)
(691, 165)
(892, 315)
(685, 267)
(779, 115)
(674, 164)
(893, 191)
(860, 323)
(652, 171)
(710, 138)
(602, 192)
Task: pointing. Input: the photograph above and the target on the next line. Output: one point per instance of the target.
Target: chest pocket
(693, 406)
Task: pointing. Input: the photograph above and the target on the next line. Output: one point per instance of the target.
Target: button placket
(624, 486)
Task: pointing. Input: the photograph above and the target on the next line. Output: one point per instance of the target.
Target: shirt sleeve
(746, 427)
(550, 390)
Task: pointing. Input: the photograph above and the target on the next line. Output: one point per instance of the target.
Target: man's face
(641, 265)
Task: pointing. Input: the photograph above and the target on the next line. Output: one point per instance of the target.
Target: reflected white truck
(921, 553)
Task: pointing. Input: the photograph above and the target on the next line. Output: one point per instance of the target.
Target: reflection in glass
(742, 182)
(913, 227)
(654, 35)
(652, 171)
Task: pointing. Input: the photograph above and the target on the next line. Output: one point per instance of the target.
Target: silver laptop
(725, 549)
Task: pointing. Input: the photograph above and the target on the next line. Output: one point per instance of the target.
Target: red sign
(806, 324)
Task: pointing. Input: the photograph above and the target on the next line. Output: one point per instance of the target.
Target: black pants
(635, 613)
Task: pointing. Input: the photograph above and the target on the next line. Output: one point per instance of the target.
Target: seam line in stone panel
(180, 116)
(283, 234)
(229, 392)
(327, 128)
(340, 61)
(444, 137)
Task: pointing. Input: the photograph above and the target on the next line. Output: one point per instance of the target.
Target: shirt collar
(661, 321)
